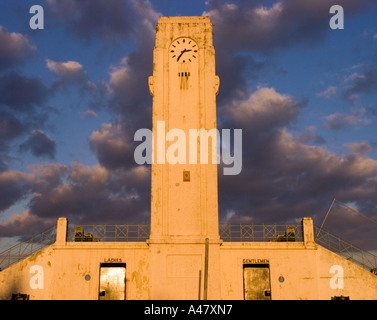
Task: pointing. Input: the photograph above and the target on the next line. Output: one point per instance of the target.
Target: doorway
(256, 281)
(112, 284)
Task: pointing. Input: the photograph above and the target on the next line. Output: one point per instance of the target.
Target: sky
(73, 94)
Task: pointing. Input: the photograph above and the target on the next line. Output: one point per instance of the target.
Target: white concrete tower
(184, 202)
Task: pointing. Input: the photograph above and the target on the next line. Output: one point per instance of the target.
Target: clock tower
(184, 240)
(184, 86)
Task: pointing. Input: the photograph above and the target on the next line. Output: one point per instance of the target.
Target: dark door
(257, 282)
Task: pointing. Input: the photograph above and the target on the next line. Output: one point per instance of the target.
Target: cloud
(338, 121)
(249, 25)
(359, 148)
(331, 90)
(365, 83)
(235, 72)
(22, 100)
(67, 70)
(79, 192)
(40, 145)
(5, 160)
(89, 114)
(14, 186)
(99, 93)
(23, 224)
(115, 22)
(243, 30)
(95, 18)
(15, 49)
(92, 193)
(116, 189)
(45, 177)
(10, 128)
(126, 94)
(21, 93)
(69, 73)
(112, 21)
(264, 108)
(283, 178)
(248, 35)
(131, 98)
(309, 135)
(112, 146)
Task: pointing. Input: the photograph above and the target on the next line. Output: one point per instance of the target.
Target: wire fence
(108, 233)
(228, 233)
(346, 249)
(261, 233)
(235, 233)
(26, 248)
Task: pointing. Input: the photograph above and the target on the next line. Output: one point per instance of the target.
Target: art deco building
(184, 253)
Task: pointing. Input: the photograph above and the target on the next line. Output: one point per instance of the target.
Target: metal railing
(236, 233)
(26, 248)
(261, 233)
(108, 233)
(233, 233)
(345, 249)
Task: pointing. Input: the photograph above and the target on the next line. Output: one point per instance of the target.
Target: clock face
(183, 50)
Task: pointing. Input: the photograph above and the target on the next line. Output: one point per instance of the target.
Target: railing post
(61, 231)
(308, 232)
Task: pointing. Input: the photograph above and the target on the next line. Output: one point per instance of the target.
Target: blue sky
(73, 94)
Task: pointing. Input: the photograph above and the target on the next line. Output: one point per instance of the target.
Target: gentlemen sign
(256, 261)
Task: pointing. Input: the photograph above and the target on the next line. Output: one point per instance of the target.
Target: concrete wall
(170, 270)
(176, 267)
(58, 271)
(77, 260)
(307, 273)
(358, 283)
(16, 279)
(310, 271)
(64, 270)
(285, 259)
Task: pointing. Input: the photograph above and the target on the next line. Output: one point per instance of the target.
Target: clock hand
(182, 52)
